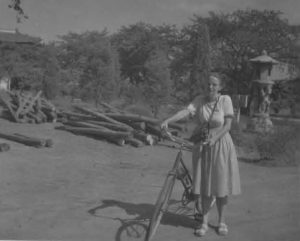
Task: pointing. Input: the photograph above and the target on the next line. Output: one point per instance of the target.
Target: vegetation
(90, 65)
(279, 148)
(31, 67)
(153, 63)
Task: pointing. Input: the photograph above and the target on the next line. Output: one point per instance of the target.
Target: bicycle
(179, 171)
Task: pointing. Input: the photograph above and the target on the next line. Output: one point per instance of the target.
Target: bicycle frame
(180, 172)
(183, 175)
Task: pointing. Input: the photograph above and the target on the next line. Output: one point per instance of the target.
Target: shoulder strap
(212, 112)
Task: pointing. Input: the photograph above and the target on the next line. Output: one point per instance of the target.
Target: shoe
(201, 230)
(222, 229)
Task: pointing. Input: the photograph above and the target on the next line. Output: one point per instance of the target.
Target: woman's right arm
(189, 110)
(178, 116)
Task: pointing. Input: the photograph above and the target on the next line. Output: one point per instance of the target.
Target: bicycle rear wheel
(161, 206)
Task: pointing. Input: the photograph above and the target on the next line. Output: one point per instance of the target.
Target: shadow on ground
(136, 228)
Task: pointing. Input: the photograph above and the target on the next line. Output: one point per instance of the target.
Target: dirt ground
(86, 189)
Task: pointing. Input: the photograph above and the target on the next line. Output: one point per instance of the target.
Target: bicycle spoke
(132, 231)
(179, 209)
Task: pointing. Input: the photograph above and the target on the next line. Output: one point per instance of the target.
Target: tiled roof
(17, 37)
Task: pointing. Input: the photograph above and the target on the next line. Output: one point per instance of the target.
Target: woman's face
(214, 86)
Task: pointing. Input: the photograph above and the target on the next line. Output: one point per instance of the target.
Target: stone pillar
(260, 97)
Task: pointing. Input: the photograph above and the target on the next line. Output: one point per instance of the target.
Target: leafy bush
(280, 146)
(236, 133)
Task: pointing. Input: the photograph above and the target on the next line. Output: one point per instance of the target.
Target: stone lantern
(260, 97)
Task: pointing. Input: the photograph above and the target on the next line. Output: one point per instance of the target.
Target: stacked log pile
(114, 125)
(27, 108)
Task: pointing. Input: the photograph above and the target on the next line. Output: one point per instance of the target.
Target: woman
(215, 165)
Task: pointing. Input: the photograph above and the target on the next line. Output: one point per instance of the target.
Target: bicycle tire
(161, 206)
(133, 230)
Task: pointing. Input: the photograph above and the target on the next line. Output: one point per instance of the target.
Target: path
(78, 189)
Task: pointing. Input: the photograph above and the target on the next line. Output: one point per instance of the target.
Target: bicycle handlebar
(168, 135)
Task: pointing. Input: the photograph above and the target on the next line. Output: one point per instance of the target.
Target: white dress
(215, 169)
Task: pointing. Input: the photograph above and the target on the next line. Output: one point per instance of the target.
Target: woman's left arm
(226, 128)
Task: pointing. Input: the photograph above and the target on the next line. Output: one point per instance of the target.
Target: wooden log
(46, 142)
(132, 117)
(84, 124)
(134, 142)
(110, 107)
(47, 104)
(103, 117)
(24, 140)
(51, 116)
(28, 120)
(27, 104)
(19, 99)
(140, 118)
(108, 125)
(137, 125)
(116, 139)
(75, 115)
(19, 103)
(15, 101)
(105, 133)
(36, 117)
(42, 115)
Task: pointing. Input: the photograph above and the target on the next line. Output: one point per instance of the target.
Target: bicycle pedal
(198, 216)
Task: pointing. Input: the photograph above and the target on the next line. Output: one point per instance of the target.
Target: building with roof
(14, 36)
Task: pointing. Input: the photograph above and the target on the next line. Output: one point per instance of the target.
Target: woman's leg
(221, 206)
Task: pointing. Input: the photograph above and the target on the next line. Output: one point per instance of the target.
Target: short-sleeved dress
(215, 168)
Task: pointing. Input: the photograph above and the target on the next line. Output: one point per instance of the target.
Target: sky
(50, 18)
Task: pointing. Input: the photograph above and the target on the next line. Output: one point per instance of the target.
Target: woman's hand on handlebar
(165, 132)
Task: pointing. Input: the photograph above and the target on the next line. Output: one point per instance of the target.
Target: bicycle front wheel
(161, 206)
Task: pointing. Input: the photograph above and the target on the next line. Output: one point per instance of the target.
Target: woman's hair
(219, 77)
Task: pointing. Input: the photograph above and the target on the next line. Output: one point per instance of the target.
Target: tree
(16, 6)
(134, 46)
(192, 64)
(94, 61)
(30, 67)
(157, 86)
(244, 34)
(51, 71)
(135, 43)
